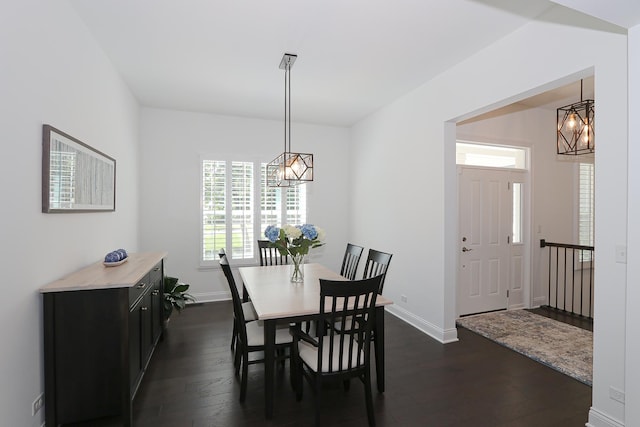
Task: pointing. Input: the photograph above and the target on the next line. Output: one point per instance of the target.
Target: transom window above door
(495, 156)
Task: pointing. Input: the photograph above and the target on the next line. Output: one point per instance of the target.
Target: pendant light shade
(289, 168)
(576, 127)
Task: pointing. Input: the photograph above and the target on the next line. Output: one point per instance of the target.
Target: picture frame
(75, 176)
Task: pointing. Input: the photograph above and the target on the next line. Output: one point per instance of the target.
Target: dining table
(278, 300)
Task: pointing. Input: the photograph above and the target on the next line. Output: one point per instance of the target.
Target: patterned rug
(563, 347)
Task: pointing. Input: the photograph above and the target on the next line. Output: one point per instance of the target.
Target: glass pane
(517, 212)
(214, 229)
(491, 155)
(296, 205)
(270, 203)
(586, 208)
(242, 234)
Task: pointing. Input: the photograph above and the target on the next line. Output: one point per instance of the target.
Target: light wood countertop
(99, 276)
(274, 296)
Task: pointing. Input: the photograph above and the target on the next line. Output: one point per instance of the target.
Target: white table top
(274, 296)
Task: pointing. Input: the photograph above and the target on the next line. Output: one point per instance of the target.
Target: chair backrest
(377, 263)
(238, 313)
(350, 261)
(270, 255)
(348, 308)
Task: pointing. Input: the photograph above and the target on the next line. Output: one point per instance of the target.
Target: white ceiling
(354, 56)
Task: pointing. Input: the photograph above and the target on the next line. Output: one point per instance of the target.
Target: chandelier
(576, 127)
(289, 168)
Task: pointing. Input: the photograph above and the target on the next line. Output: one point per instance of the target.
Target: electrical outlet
(37, 404)
(403, 298)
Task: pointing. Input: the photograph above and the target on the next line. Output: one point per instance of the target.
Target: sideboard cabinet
(101, 326)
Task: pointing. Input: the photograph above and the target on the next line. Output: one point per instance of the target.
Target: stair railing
(570, 286)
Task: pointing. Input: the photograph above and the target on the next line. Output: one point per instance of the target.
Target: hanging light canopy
(289, 168)
(576, 127)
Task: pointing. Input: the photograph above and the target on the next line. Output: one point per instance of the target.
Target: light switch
(621, 254)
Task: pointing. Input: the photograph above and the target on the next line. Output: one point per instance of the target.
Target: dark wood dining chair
(247, 308)
(350, 261)
(377, 264)
(344, 351)
(249, 334)
(270, 255)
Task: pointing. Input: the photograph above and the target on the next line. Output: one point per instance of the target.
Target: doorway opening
(493, 206)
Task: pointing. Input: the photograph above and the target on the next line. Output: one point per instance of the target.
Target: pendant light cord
(287, 106)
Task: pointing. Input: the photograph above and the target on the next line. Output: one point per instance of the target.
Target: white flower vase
(297, 276)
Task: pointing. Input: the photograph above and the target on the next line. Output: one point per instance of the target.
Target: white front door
(485, 206)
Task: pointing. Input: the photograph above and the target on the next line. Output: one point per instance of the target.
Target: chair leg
(233, 337)
(238, 358)
(293, 374)
(369, 399)
(243, 379)
(299, 379)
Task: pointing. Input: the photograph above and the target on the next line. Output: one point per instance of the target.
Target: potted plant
(175, 296)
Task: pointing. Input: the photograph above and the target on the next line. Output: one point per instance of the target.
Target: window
(495, 156)
(517, 220)
(235, 214)
(586, 207)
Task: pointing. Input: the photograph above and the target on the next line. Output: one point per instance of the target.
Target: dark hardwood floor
(473, 382)
(565, 317)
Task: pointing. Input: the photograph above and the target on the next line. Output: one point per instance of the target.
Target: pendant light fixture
(289, 168)
(576, 127)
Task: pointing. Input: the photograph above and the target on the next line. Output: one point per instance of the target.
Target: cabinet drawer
(136, 291)
(155, 275)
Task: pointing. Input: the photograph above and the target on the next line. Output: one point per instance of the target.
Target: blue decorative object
(119, 256)
(112, 257)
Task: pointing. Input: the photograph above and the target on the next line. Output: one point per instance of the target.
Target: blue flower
(272, 233)
(309, 231)
(294, 240)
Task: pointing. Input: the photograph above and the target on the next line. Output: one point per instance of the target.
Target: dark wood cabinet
(101, 326)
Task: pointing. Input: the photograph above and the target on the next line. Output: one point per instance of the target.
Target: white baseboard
(442, 335)
(538, 301)
(212, 296)
(598, 419)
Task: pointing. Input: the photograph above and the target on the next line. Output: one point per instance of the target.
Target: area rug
(563, 347)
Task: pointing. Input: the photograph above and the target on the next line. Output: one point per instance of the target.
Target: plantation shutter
(296, 203)
(242, 212)
(586, 208)
(214, 234)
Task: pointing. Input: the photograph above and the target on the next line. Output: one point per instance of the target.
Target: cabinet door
(145, 327)
(156, 311)
(135, 345)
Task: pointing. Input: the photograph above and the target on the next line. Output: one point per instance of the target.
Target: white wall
(52, 72)
(171, 145)
(410, 157)
(553, 184)
(632, 385)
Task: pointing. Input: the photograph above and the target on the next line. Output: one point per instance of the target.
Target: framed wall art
(75, 176)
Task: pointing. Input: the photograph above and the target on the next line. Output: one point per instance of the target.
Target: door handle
(464, 249)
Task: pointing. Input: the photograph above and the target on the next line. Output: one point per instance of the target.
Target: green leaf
(182, 287)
